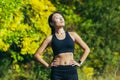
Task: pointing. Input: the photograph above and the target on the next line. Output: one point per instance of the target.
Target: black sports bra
(62, 46)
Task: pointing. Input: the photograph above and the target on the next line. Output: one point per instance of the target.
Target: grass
(23, 75)
(104, 76)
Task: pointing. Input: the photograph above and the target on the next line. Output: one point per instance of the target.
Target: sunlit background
(24, 25)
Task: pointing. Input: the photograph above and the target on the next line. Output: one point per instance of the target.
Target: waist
(66, 55)
(63, 59)
(64, 67)
(62, 52)
(64, 70)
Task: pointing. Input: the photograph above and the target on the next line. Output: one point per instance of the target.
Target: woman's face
(58, 20)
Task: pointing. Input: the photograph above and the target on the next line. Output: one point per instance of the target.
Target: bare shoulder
(48, 38)
(74, 34)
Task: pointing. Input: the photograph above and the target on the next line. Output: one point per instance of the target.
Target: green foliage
(100, 28)
(5, 63)
(23, 26)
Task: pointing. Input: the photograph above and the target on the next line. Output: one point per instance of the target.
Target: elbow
(88, 50)
(36, 55)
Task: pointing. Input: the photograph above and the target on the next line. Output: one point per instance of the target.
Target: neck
(60, 30)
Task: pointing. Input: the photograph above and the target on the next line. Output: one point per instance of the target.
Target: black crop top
(62, 46)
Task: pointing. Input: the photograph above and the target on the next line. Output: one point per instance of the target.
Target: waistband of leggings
(64, 67)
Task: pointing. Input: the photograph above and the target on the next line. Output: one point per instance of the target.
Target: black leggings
(60, 72)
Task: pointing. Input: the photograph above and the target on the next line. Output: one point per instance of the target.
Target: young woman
(63, 66)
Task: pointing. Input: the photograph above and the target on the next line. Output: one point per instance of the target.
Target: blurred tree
(23, 26)
(101, 28)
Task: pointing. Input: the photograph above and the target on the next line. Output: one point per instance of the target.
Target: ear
(51, 24)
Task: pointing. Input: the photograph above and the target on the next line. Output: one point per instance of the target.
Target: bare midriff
(63, 59)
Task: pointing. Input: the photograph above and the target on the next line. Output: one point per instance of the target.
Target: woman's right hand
(54, 63)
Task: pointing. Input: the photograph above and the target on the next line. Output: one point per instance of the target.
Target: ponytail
(52, 30)
(51, 26)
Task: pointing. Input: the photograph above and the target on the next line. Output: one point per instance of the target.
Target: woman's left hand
(76, 63)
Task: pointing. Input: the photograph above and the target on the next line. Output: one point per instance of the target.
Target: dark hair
(50, 20)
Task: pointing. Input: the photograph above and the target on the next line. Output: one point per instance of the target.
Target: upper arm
(44, 44)
(79, 41)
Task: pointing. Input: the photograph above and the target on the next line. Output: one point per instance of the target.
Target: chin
(60, 25)
(63, 24)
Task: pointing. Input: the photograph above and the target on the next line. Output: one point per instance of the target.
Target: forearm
(41, 60)
(85, 54)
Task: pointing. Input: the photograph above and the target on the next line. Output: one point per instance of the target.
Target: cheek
(56, 22)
